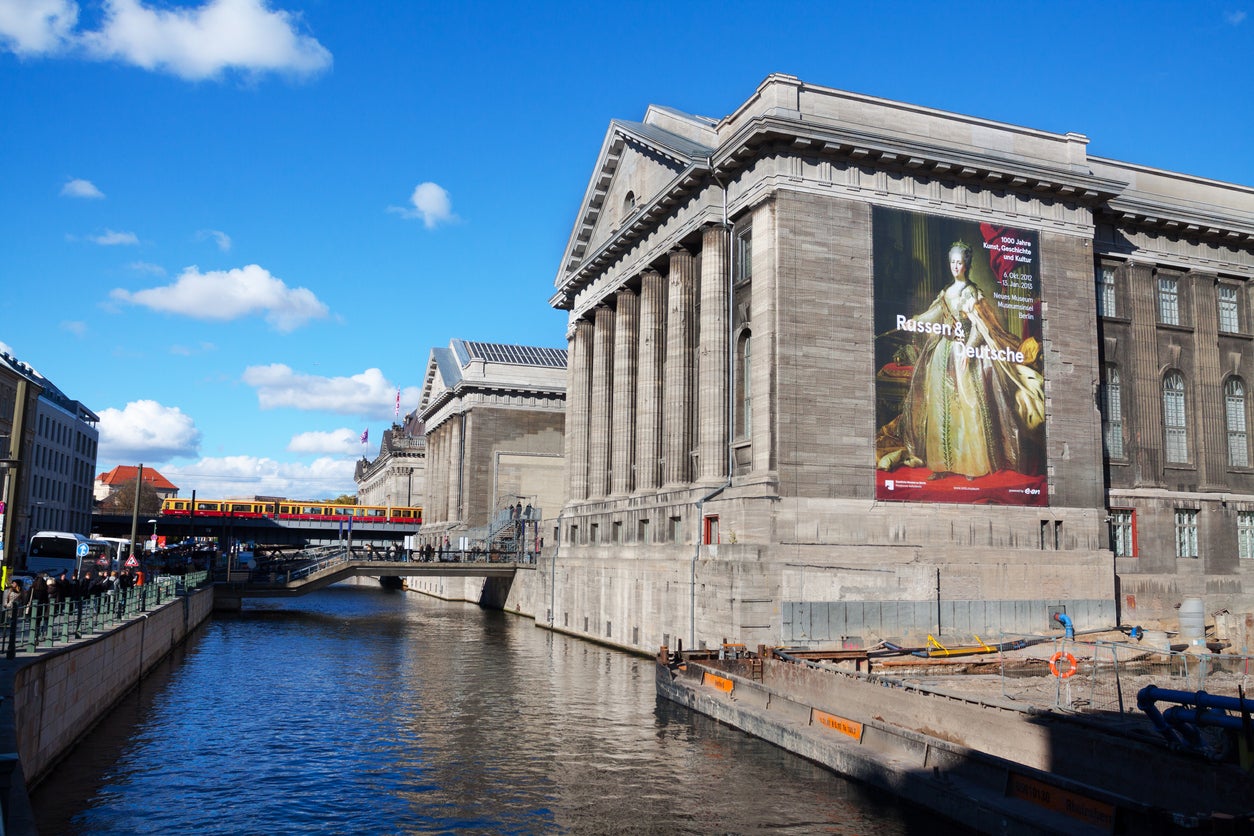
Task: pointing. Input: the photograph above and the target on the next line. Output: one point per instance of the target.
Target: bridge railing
(323, 558)
(31, 626)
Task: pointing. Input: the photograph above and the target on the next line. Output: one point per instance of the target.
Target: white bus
(57, 551)
(119, 550)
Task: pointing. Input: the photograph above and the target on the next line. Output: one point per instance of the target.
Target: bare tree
(122, 501)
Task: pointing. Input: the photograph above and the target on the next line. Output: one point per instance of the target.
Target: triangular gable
(638, 165)
(433, 382)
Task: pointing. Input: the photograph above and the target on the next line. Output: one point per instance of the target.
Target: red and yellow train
(292, 509)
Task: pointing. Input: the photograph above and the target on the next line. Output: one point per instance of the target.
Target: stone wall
(61, 695)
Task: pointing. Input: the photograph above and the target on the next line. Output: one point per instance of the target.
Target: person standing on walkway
(40, 598)
(12, 597)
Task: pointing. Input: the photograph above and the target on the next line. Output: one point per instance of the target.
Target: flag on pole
(365, 435)
(398, 403)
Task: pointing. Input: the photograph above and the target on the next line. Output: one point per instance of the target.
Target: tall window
(1245, 534)
(1112, 413)
(1186, 533)
(1234, 412)
(1229, 314)
(743, 256)
(1106, 292)
(1175, 425)
(1168, 301)
(744, 394)
(1123, 532)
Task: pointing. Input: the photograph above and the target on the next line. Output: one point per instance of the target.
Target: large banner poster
(959, 385)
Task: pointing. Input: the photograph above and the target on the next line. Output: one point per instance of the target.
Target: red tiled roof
(126, 473)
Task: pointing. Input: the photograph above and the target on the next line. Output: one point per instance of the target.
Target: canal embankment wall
(52, 700)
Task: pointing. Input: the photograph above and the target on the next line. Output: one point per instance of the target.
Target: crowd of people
(80, 589)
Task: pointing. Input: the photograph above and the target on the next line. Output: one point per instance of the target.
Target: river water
(357, 710)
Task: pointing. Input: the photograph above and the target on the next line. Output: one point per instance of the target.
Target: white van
(57, 551)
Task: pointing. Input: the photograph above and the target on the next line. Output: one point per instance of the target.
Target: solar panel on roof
(522, 355)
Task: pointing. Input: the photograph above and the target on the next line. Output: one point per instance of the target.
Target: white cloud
(189, 351)
(5, 348)
(220, 238)
(80, 188)
(240, 476)
(430, 203)
(202, 42)
(1235, 18)
(146, 431)
(35, 27)
(343, 440)
(192, 43)
(146, 267)
(231, 294)
(369, 394)
(75, 327)
(110, 238)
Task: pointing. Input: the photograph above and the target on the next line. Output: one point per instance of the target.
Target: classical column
(455, 442)
(650, 353)
(1146, 441)
(436, 491)
(599, 405)
(712, 353)
(578, 392)
(623, 421)
(678, 372)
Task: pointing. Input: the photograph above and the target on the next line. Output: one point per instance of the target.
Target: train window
(241, 508)
(206, 506)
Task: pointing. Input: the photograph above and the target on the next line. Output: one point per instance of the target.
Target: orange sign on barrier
(844, 726)
(1080, 807)
(721, 683)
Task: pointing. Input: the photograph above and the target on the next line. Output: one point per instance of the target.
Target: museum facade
(842, 369)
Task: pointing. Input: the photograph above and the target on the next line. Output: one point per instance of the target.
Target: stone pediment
(433, 382)
(639, 164)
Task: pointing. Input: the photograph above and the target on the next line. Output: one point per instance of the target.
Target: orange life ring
(1071, 664)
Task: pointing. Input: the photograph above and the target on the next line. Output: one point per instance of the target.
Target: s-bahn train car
(292, 509)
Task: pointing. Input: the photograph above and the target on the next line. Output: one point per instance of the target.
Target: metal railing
(28, 627)
(316, 560)
(1105, 676)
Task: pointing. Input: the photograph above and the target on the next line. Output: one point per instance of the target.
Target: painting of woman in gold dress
(974, 405)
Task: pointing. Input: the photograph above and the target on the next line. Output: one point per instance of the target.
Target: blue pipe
(1195, 708)
(1065, 620)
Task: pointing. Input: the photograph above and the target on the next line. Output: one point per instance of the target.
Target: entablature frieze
(1151, 250)
(501, 399)
(911, 153)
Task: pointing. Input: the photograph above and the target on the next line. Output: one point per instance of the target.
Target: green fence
(34, 626)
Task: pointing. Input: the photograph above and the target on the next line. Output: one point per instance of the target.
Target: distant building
(494, 416)
(107, 484)
(51, 477)
(397, 476)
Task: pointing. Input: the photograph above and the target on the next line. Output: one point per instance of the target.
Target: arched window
(1234, 413)
(629, 204)
(1175, 422)
(1112, 413)
(743, 389)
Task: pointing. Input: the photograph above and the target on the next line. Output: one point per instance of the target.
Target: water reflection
(358, 710)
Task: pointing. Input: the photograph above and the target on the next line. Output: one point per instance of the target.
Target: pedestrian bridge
(312, 569)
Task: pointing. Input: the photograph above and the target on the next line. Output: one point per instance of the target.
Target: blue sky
(235, 229)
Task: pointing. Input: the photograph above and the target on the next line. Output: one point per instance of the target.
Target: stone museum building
(494, 416)
(844, 369)
(397, 476)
